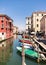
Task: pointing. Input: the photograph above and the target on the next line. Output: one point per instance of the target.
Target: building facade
(6, 27)
(43, 25)
(15, 29)
(35, 20)
(36, 17)
(28, 24)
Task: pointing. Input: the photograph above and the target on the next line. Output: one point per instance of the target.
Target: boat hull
(25, 41)
(29, 53)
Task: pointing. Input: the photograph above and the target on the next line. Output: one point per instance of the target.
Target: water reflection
(6, 50)
(10, 56)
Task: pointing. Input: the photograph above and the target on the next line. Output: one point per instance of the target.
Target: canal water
(10, 56)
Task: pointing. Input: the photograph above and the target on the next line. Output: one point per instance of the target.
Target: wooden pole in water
(38, 60)
(23, 54)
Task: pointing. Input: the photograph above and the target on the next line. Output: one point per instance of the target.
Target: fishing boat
(29, 46)
(32, 54)
(25, 41)
(26, 36)
(29, 52)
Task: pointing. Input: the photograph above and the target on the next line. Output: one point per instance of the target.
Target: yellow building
(35, 20)
(43, 25)
(36, 17)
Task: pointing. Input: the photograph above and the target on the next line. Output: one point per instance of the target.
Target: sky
(18, 10)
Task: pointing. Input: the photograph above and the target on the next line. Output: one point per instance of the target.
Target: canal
(10, 56)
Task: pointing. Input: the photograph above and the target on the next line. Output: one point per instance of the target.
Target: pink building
(6, 27)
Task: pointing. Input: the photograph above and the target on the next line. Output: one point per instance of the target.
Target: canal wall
(5, 39)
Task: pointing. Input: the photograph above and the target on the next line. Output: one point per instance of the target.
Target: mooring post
(23, 53)
(38, 60)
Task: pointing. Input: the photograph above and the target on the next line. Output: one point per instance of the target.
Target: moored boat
(29, 52)
(26, 36)
(29, 46)
(32, 54)
(25, 41)
(36, 48)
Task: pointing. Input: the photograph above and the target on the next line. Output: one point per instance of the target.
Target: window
(28, 22)
(2, 28)
(6, 22)
(2, 33)
(37, 25)
(2, 18)
(6, 28)
(31, 21)
(2, 21)
(37, 31)
(28, 18)
(28, 27)
(2, 45)
(37, 14)
(42, 14)
(2, 25)
(37, 19)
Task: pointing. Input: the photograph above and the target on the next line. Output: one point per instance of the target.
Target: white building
(35, 20)
(28, 23)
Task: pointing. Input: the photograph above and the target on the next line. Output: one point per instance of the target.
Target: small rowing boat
(29, 52)
(25, 41)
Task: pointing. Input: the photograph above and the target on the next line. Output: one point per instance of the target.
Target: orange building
(6, 27)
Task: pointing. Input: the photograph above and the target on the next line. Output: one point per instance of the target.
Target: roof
(28, 17)
(40, 12)
(4, 15)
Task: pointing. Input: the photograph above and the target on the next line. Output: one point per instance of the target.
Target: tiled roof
(28, 17)
(40, 12)
(4, 15)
